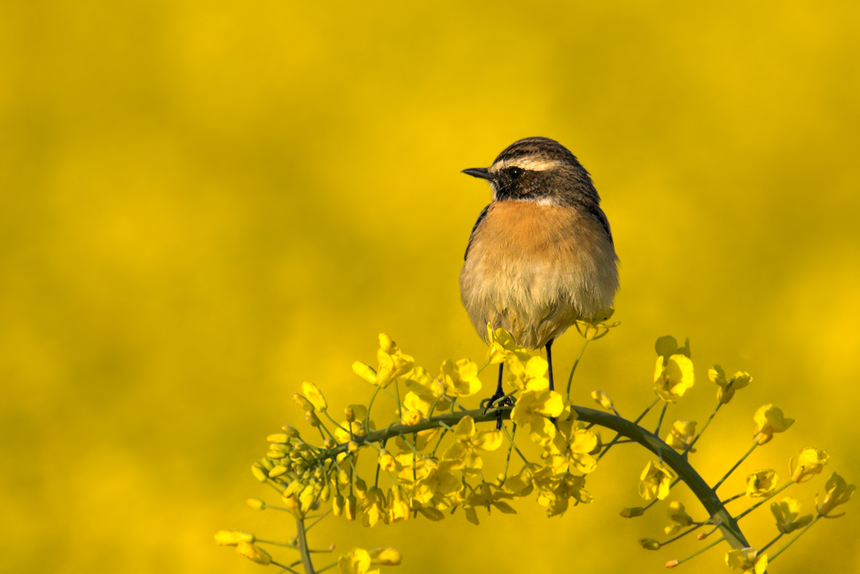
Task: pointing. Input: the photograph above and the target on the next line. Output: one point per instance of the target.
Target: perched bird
(541, 254)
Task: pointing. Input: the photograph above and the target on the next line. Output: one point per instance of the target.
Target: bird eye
(515, 171)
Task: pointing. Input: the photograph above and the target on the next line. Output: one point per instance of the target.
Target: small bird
(541, 255)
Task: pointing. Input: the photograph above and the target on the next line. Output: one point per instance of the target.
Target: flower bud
(256, 503)
(281, 438)
(385, 343)
(260, 473)
(277, 471)
(303, 403)
(232, 537)
(293, 487)
(349, 413)
(350, 507)
(352, 446)
(632, 512)
(337, 504)
(329, 444)
(312, 418)
(360, 488)
(291, 431)
(294, 505)
(325, 493)
(602, 399)
(649, 544)
(365, 372)
(254, 553)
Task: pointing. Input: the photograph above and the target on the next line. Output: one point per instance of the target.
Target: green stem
(624, 428)
(320, 517)
(618, 436)
(737, 464)
(769, 544)
(370, 406)
(732, 498)
(302, 540)
(573, 370)
(701, 432)
(708, 547)
(284, 568)
(683, 534)
(660, 420)
(513, 444)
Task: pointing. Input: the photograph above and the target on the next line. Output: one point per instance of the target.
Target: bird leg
(500, 393)
(549, 360)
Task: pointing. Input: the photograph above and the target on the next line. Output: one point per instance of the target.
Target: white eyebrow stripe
(528, 163)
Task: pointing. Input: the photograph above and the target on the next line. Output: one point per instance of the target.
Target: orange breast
(534, 270)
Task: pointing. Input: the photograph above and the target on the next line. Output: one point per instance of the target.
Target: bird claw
(503, 401)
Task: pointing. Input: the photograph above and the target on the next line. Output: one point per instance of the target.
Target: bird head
(538, 170)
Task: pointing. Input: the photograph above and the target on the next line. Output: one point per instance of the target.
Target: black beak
(480, 172)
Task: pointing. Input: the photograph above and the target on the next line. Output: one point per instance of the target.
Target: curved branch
(706, 495)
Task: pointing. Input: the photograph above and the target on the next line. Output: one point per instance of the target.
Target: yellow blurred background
(203, 204)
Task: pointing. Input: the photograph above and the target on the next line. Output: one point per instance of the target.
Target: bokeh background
(203, 204)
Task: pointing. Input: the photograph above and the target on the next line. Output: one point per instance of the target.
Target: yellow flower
(398, 507)
(762, 483)
(357, 561)
(810, 463)
(592, 331)
(786, 512)
(410, 418)
(436, 480)
(386, 462)
(530, 375)
(373, 507)
(555, 490)
(313, 394)
(342, 432)
(502, 345)
(520, 484)
(769, 420)
(837, 492)
(677, 514)
(747, 561)
(655, 481)
(232, 537)
(392, 362)
(673, 375)
(534, 408)
(420, 442)
(460, 379)
(425, 390)
(254, 553)
(483, 496)
(573, 454)
(603, 400)
(681, 435)
(464, 450)
(385, 556)
(727, 388)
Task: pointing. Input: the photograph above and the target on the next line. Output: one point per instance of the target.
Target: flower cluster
(432, 459)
